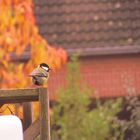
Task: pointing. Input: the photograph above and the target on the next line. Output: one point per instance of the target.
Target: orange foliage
(18, 33)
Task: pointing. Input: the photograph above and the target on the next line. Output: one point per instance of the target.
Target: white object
(45, 68)
(10, 128)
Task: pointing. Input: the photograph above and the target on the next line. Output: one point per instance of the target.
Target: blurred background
(100, 84)
(105, 33)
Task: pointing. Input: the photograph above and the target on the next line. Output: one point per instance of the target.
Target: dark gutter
(105, 50)
(95, 51)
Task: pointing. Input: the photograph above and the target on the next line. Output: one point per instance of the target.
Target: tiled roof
(90, 24)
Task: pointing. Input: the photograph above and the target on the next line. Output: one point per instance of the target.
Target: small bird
(40, 74)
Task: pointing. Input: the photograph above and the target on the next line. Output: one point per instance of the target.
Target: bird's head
(45, 67)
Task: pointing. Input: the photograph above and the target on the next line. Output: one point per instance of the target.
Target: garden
(74, 114)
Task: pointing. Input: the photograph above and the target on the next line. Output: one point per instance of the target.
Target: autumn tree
(18, 34)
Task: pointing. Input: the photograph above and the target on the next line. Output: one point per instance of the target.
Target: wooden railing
(26, 96)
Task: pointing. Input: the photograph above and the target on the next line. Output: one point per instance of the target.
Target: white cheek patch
(45, 68)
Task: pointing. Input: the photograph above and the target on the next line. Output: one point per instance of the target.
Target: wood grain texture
(33, 131)
(24, 96)
(18, 95)
(27, 115)
(44, 116)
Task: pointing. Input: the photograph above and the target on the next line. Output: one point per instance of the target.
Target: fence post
(27, 114)
(42, 125)
(44, 114)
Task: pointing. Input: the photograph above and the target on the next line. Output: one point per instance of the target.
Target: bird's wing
(38, 73)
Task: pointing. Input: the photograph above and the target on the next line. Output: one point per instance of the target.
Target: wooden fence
(26, 96)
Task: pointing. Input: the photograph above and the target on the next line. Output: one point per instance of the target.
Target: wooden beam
(18, 95)
(33, 131)
(27, 115)
(44, 116)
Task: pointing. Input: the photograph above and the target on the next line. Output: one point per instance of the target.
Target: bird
(40, 74)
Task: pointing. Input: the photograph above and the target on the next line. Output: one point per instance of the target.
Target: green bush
(130, 126)
(73, 119)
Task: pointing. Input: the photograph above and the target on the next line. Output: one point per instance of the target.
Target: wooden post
(27, 115)
(44, 115)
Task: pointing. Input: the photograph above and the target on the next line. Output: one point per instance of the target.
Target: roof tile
(89, 23)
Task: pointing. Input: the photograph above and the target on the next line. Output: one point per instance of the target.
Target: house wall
(107, 76)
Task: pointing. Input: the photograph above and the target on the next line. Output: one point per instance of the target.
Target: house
(107, 33)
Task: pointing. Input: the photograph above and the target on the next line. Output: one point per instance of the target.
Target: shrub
(128, 124)
(73, 119)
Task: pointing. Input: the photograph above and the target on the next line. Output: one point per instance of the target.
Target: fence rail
(26, 96)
